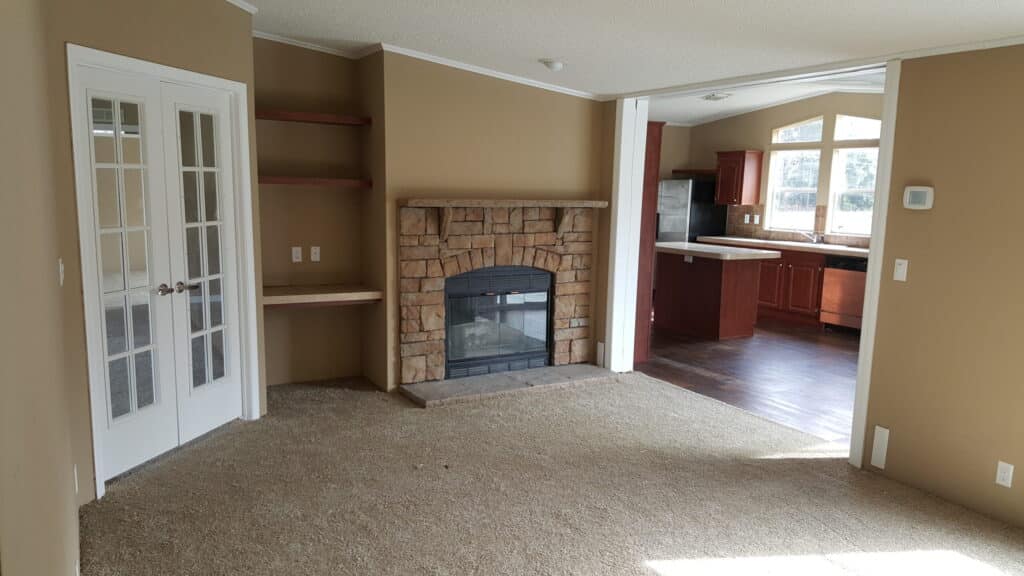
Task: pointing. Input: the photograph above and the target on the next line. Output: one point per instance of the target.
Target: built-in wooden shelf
(320, 295)
(316, 181)
(313, 117)
(525, 203)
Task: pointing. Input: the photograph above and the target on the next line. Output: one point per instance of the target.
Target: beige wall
(39, 521)
(309, 344)
(456, 134)
(218, 43)
(946, 378)
(675, 149)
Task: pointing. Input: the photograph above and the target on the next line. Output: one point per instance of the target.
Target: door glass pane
(199, 361)
(138, 270)
(107, 198)
(195, 308)
(144, 378)
(217, 354)
(140, 320)
(134, 203)
(115, 322)
(187, 134)
(216, 311)
(191, 196)
(102, 117)
(111, 261)
(213, 250)
(130, 124)
(120, 387)
(194, 252)
(210, 195)
(131, 150)
(206, 130)
(103, 148)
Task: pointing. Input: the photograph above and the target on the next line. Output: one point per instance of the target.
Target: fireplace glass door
(504, 326)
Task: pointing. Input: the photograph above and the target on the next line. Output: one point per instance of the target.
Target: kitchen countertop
(714, 252)
(831, 249)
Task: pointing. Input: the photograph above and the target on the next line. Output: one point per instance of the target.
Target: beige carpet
(622, 476)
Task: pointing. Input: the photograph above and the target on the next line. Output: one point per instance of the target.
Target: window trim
(827, 147)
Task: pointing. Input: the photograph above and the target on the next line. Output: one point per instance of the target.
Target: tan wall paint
(946, 379)
(456, 134)
(310, 344)
(753, 131)
(675, 149)
(219, 43)
(39, 521)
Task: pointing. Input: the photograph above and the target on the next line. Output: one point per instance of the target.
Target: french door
(157, 235)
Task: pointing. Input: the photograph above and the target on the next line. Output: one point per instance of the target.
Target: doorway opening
(757, 224)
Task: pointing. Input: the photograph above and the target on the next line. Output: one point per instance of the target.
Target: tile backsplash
(735, 227)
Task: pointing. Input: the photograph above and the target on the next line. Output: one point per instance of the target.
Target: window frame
(827, 147)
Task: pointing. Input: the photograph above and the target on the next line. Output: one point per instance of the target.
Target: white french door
(157, 231)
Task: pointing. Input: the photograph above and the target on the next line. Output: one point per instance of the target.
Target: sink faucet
(814, 237)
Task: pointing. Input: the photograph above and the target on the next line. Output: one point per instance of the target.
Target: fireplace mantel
(510, 203)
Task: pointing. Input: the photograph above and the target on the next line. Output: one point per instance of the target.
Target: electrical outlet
(757, 218)
(746, 218)
(1004, 474)
(60, 272)
(880, 447)
(76, 478)
(314, 253)
(296, 254)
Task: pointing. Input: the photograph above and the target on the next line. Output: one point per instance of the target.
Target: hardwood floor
(800, 377)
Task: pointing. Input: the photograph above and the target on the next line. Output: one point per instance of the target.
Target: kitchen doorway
(768, 306)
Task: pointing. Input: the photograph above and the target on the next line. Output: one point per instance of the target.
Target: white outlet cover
(296, 254)
(746, 218)
(880, 447)
(1004, 474)
(314, 253)
(757, 218)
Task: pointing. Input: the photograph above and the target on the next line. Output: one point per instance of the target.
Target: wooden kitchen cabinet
(790, 288)
(739, 177)
(770, 289)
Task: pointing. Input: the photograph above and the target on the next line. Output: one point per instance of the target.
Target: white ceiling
(612, 47)
(691, 108)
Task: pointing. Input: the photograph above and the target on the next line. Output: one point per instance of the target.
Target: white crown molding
(489, 72)
(815, 72)
(244, 6)
(301, 44)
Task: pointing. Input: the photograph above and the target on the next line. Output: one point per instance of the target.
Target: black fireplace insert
(497, 319)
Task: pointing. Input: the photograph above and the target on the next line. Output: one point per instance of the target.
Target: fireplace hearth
(498, 319)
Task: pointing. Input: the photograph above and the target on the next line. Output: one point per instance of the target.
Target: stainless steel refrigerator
(687, 209)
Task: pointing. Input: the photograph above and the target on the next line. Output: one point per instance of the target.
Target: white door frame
(624, 241)
(79, 56)
(624, 236)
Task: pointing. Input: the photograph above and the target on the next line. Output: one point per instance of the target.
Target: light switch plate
(1004, 474)
(296, 254)
(899, 271)
(314, 253)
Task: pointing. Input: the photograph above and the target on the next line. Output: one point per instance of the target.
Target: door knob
(181, 287)
(164, 290)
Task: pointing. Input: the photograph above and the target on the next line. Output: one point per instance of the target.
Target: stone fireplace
(520, 293)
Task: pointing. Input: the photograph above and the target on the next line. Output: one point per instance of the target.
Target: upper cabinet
(739, 177)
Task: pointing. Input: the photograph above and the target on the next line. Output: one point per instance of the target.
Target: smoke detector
(553, 65)
(715, 96)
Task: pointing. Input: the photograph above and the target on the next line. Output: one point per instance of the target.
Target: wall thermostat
(918, 197)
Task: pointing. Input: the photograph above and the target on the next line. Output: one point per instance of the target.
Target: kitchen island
(707, 291)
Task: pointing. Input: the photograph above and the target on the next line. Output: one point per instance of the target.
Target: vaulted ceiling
(612, 47)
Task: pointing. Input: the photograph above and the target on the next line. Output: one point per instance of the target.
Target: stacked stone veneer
(437, 243)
